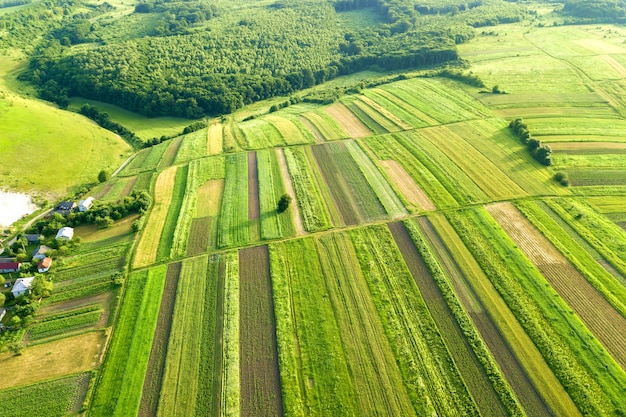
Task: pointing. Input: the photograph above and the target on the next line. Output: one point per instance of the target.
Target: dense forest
(195, 58)
(596, 11)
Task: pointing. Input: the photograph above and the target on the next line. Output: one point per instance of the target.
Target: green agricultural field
(188, 364)
(120, 384)
(58, 397)
(233, 224)
(427, 264)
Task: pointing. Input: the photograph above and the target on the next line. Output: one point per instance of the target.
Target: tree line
(541, 152)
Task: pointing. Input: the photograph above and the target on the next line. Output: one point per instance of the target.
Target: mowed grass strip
(120, 383)
(146, 252)
(448, 173)
(233, 221)
(369, 117)
(230, 395)
(181, 235)
(146, 160)
(431, 378)
(168, 235)
(494, 140)
(386, 148)
(348, 121)
(440, 99)
(54, 398)
(181, 378)
(371, 360)
(156, 362)
(232, 137)
(387, 197)
(575, 356)
(543, 128)
(311, 356)
(291, 129)
(259, 133)
(309, 198)
(524, 368)
(404, 116)
(215, 138)
(485, 174)
(274, 225)
(210, 198)
(193, 146)
(325, 125)
(260, 376)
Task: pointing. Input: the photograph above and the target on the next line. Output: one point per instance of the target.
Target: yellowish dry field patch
(51, 360)
(147, 249)
(209, 198)
(215, 139)
(348, 121)
(600, 46)
(407, 186)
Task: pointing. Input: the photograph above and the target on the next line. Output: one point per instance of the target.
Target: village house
(84, 205)
(22, 285)
(65, 207)
(33, 237)
(65, 233)
(6, 267)
(41, 252)
(44, 265)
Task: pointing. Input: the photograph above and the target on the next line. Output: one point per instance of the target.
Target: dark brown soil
(199, 236)
(254, 210)
(259, 373)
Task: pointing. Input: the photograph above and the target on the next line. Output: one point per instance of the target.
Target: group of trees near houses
(101, 213)
(230, 58)
(541, 152)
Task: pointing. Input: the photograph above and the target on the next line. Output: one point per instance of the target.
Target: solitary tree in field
(283, 203)
(103, 176)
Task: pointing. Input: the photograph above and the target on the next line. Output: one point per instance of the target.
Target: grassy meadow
(427, 264)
